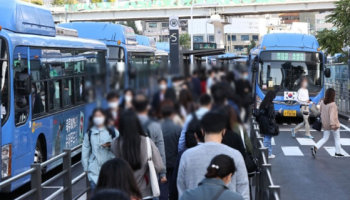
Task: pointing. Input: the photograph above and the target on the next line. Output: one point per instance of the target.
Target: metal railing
(265, 189)
(340, 82)
(37, 185)
(149, 4)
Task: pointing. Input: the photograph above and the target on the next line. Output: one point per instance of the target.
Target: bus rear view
(280, 64)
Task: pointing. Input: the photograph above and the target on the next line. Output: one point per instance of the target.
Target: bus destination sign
(203, 45)
(290, 56)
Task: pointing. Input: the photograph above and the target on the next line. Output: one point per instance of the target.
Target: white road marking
(292, 151)
(273, 142)
(331, 151)
(306, 142)
(345, 141)
(345, 127)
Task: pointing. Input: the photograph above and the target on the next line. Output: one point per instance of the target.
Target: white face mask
(98, 120)
(113, 104)
(162, 87)
(128, 98)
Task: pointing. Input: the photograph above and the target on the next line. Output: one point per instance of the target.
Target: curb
(343, 116)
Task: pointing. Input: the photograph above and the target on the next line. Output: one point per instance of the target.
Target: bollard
(35, 181)
(67, 181)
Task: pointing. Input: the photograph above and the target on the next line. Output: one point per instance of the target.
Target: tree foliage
(185, 40)
(251, 46)
(58, 2)
(96, 1)
(334, 40)
(36, 2)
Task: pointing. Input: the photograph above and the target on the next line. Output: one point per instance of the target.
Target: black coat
(234, 140)
(266, 120)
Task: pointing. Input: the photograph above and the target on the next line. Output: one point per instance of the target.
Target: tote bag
(152, 171)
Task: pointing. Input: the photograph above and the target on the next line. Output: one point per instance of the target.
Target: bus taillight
(6, 152)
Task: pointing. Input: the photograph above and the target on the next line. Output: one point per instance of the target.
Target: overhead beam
(198, 12)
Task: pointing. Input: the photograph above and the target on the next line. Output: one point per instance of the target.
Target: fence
(265, 189)
(340, 82)
(147, 4)
(37, 185)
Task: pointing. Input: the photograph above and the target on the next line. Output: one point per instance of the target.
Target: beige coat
(329, 115)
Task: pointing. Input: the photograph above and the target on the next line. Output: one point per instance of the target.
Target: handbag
(249, 161)
(152, 171)
(318, 124)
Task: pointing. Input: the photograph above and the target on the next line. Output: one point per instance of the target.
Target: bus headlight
(6, 151)
(258, 101)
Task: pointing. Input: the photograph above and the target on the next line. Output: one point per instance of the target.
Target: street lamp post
(193, 5)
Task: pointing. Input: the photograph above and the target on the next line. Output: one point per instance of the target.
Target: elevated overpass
(162, 9)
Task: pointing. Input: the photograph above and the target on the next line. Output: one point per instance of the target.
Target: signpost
(174, 38)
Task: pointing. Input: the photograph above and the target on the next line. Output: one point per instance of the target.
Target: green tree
(251, 46)
(58, 2)
(185, 40)
(334, 40)
(96, 1)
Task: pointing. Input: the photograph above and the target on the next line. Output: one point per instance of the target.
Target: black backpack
(193, 127)
(110, 130)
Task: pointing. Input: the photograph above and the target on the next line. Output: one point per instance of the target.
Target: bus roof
(21, 17)
(104, 31)
(19, 39)
(143, 40)
(292, 41)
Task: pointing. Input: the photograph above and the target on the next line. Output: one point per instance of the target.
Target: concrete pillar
(219, 34)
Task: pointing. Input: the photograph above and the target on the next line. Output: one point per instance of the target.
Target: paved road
(303, 177)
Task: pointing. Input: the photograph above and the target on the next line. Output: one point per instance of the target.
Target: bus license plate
(289, 113)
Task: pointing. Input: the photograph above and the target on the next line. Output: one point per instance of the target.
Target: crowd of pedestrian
(188, 141)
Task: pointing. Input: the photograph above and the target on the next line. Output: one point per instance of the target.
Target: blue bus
(280, 62)
(131, 64)
(48, 84)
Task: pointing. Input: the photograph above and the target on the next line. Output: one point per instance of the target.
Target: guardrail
(37, 185)
(147, 4)
(265, 189)
(340, 82)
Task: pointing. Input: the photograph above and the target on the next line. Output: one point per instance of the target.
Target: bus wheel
(38, 156)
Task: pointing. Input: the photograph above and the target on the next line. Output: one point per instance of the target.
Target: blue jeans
(267, 143)
(92, 186)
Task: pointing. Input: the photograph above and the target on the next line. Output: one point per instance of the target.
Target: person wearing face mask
(304, 100)
(214, 185)
(243, 90)
(96, 148)
(158, 96)
(127, 99)
(113, 104)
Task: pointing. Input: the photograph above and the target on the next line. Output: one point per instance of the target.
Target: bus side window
(79, 89)
(67, 92)
(54, 95)
(20, 65)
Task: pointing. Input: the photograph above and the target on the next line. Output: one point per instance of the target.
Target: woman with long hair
(266, 114)
(186, 103)
(126, 102)
(132, 147)
(304, 100)
(96, 145)
(214, 185)
(117, 174)
(330, 123)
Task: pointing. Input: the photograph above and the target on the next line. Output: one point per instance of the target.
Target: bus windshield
(283, 73)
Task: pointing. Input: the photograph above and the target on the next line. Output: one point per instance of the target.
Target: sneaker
(293, 133)
(272, 156)
(313, 151)
(339, 155)
(309, 137)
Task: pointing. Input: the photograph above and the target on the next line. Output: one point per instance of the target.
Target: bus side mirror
(23, 84)
(327, 72)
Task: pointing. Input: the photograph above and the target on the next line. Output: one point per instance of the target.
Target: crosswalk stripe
(292, 151)
(331, 151)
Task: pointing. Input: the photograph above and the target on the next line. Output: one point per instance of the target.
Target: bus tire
(38, 155)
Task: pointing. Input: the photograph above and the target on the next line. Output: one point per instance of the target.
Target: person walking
(171, 134)
(113, 111)
(96, 145)
(117, 174)
(126, 102)
(267, 121)
(304, 100)
(214, 185)
(132, 147)
(158, 96)
(193, 161)
(330, 123)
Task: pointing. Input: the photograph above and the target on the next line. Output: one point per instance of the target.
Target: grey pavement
(303, 177)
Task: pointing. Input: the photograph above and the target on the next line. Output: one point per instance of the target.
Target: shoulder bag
(249, 161)
(152, 171)
(318, 124)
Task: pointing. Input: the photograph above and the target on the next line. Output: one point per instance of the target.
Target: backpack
(145, 127)
(110, 130)
(193, 127)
